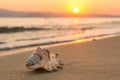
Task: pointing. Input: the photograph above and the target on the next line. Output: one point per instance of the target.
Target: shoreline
(27, 49)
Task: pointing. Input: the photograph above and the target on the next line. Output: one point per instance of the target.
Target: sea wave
(112, 22)
(16, 29)
(6, 29)
(60, 40)
(38, 31)
(2, 42)
(31, 45)
(38, 38)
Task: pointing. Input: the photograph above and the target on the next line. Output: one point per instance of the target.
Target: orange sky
(64, 6)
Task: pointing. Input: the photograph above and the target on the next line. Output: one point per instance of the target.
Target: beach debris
(42, 58)
(93, 39)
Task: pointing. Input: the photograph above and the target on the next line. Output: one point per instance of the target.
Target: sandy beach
(91, 60)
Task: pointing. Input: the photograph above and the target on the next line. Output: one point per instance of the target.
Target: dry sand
(92, 60)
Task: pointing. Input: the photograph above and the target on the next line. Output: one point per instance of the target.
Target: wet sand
(92, 60)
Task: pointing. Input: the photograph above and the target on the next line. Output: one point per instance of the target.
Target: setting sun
(76, 10)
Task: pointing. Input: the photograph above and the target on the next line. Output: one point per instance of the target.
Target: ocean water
(26, 32)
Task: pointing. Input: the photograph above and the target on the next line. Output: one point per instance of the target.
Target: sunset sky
(64, 6)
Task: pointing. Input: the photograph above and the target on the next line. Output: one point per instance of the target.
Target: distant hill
(10, 13)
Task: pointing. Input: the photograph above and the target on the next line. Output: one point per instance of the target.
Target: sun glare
(76, 10)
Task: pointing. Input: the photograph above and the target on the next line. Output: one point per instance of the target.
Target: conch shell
(42, 58)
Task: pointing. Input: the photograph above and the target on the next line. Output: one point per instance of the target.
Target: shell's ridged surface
(33, 60)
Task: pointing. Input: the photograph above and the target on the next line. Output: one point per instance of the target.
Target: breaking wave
(51, 31)
(6, 29)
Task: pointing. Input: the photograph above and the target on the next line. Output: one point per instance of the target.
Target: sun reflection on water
(77, 29)
(80, 40)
